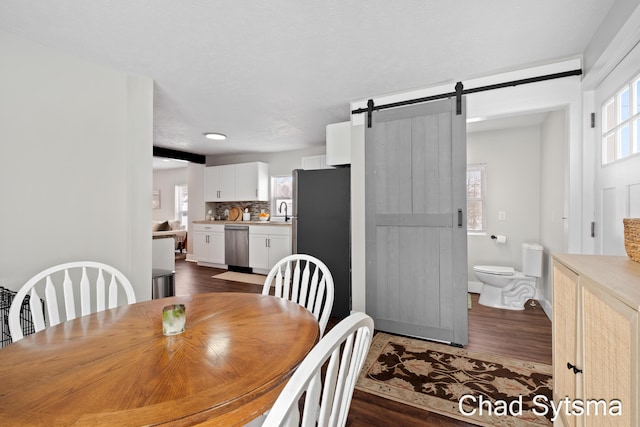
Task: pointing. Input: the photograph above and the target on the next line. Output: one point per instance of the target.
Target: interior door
(416, 249)
(617, 184)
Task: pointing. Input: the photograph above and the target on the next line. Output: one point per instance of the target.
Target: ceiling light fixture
(215, 136)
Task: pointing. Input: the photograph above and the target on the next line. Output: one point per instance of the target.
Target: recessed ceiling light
(216, 136)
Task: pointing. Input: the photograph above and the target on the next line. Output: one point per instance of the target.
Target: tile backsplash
(218, 208)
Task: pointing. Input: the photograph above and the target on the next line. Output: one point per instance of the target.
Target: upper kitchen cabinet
(339, 144)
(252, 181)
(238, 182)
(315, 162)
(219, 183)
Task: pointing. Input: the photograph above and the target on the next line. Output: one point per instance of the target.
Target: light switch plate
(502, 216)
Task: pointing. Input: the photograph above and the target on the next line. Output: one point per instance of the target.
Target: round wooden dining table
(116, 367)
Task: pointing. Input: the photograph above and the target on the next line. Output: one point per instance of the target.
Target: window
(621, 123)
(182, 204)
(475, 197)
(281, 192)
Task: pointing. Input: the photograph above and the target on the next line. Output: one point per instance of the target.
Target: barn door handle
(575, 369)
(459, 218)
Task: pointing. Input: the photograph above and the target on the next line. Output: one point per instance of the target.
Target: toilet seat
(495, 269)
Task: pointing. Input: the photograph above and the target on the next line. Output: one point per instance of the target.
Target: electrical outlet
(502, 216)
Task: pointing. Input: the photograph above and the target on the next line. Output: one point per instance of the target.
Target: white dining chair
(327, 397)
(306, 280)
(74, 278)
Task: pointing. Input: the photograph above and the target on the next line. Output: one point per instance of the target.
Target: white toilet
(503, 287)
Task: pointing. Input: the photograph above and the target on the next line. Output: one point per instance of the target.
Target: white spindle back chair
(88, 275)
(326, 399)
(306, 280)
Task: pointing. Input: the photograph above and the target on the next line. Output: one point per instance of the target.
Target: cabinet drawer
(272, 230)
(208, 227)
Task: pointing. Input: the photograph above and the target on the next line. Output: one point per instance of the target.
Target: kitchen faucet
(286, 217)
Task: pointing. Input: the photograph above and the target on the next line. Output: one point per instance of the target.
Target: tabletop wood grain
(116, 368)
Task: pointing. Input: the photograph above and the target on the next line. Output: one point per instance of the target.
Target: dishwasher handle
(237, 227)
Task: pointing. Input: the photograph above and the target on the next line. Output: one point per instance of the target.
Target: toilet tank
(532, 259)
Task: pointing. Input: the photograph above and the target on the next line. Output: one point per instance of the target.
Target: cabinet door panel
(200, 247)
(565, 309)
(247, 181)
(216, 247)
(610, 343)
(211, 184)
(227, 182)
(279, 247)
(258, 251)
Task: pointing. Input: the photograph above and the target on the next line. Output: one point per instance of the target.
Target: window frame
(275, 199)
(184, 219)
(482, 168)
(612, 142)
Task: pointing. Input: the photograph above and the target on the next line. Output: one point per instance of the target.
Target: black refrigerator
(322, 226)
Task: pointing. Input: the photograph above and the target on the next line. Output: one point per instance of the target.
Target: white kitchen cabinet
(252, 181)
(237, 182)
(208, 244)
(315, 162)
(596, 304)
(268, 245)
(219, 183)
(338, 144)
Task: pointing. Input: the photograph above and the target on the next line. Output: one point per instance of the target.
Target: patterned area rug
(481, 389)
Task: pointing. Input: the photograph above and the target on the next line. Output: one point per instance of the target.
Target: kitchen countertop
(244, 222)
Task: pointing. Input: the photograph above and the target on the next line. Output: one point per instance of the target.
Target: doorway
(525, 160)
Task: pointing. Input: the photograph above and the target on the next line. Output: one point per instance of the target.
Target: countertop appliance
(236, 247)
(321, 222)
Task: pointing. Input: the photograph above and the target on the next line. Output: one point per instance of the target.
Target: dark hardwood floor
(524, 335)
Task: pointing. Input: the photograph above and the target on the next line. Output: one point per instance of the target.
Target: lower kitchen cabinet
(596, 305)
(268, 245)
(208, 244)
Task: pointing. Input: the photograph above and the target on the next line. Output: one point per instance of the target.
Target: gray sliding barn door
(416, 233)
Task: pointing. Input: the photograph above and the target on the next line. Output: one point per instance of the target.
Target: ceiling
(271, 75)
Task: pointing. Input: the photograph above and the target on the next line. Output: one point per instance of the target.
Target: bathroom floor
(524, 334)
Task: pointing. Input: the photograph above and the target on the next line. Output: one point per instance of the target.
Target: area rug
(477, 388)
(234, 276)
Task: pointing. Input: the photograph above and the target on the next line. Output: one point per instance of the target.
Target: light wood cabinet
(596, 304)
(208, 244)
(237, 182)
(268, 245)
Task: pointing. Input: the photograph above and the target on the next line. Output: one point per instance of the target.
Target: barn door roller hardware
(459, 91)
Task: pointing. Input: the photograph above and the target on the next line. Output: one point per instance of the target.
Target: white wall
(618, 33)
(73, 182)
(553, 203)
(512, 159)
(166, 180)
(195, 179)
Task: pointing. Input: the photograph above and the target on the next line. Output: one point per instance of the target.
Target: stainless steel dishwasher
(236, 247)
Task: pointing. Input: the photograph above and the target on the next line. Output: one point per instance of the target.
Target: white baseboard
(474, 287)
(548, 309)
